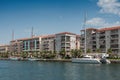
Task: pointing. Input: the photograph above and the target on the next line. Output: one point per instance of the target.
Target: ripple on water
(26, 70)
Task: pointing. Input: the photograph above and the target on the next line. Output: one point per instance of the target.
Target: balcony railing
(114, 42)
(114, 32)
(114, 46)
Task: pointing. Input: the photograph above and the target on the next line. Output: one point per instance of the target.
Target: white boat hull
(32, 59)
(14, 58)
(84, 60)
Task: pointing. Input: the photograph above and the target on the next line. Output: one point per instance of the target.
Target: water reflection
(26, 70)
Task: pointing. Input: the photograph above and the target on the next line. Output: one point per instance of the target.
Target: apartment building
(102, 39)
(67, 41)
(16, 46)
(4, 48)
(48, 43)
(31, 44)
(52, 42)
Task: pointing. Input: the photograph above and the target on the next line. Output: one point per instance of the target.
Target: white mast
(85, 16)
(12, 34)
(32, 33)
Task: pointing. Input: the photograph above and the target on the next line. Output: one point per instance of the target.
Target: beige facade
(48, 43)
(4, 48)
(16, 46)
(66, 40)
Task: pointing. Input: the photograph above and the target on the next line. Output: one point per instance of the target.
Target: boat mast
(12, 34)
(32, 33)
(85, 16)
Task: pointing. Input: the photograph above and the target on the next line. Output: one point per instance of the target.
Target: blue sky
(54, 16)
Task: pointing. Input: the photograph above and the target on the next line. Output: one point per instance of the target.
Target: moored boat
(33, 59)
(14, 58)
(87, 59)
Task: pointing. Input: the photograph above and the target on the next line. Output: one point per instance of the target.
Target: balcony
(93, 38)
(68, 41)
(114, 36)
(114, 42)
(102, 42)
(67, 49)
(113, 32)
(102, 34)
(102, 37)
(102, 46)
(116, 46)
(94, 35)
(94, 47)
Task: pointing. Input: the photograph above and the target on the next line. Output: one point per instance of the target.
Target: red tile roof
(105, 29)
(92, 29)
(25, 39)
(48, 36)
(43, 36)
(109, 28)
(66, 33)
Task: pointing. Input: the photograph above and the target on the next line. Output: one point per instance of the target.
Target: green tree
(24, 54)
(76, 53)
(98, 50)
(80, 52)
(62, 53)
(109, 51)
(89, 51)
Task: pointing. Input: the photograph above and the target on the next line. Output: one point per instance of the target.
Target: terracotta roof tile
(66, 33)
(109, 28)
(48, 36)
(92, 29)
(25, 39)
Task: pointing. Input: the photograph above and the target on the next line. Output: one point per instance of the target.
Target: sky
(54, 16)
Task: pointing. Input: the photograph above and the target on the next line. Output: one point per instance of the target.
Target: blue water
(32, 70)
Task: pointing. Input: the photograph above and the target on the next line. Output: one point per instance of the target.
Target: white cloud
(95, 22)
(100, 22)
(109, 6)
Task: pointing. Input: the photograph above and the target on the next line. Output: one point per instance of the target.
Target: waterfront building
(101, 39)
(66, 41)
(16, 46)
(52, 42)
(48, 43)
(31, 44)
(4, 48)
(25, 44)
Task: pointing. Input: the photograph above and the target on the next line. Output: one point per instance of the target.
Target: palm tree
(109, 51)
(76, 53)
(62, 53)
(72, 53)
(24, 54)
(38, 54)
(51, 54)
(89, 51)
(80, 52)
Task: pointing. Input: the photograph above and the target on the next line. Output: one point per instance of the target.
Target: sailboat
(86, 58)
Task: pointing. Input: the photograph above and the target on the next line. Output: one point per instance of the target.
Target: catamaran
(89, 58)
